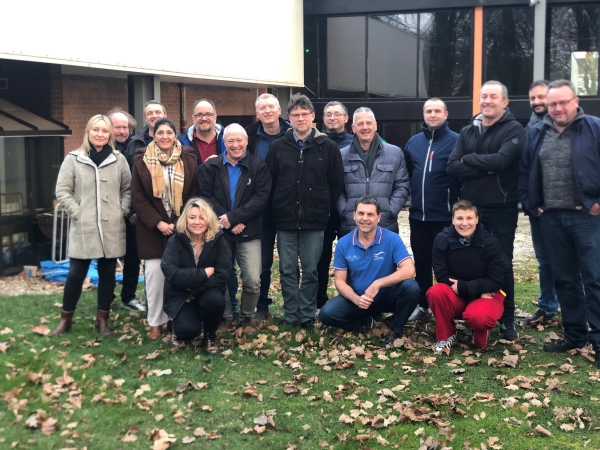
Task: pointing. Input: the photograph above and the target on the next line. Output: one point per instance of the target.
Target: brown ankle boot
(102, 322)
(66, 320)
(155, 332)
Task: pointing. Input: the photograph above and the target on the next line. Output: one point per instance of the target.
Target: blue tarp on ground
(58, 272)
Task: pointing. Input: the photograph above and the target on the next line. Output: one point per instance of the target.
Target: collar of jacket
(352, 154)
(206, 247)
(85, 159)
(315, 135)
(219, 160)
(478, 237)
(438, 132)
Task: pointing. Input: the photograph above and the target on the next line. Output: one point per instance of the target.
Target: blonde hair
(212, 223)
(85, 146)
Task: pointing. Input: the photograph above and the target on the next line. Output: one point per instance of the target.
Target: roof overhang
(18, 122)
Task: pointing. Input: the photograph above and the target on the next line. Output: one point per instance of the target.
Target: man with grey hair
(261, 134)
(335, 118)
(123, 125)
(486, 157)
(559, 184)
(237, 185)
(372, 167)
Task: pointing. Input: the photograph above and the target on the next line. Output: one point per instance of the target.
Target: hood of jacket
(547, 121)
(315, 135)
(507, 116)
(190, 131)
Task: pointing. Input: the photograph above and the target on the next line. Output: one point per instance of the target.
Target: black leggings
(208, 307)
(78, 269)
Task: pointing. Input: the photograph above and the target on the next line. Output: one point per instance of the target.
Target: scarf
(155, 158)
(370, 155)
(98, 157)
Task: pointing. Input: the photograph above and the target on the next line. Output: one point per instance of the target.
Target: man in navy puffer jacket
(432, 191)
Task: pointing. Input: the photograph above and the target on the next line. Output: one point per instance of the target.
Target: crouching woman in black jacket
(196, 265)
(467, 264)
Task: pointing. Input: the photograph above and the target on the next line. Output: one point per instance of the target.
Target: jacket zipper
(300, 190)
(428, 158)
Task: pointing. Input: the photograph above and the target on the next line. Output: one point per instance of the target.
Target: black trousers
(422, 235)
(331, 231)
(78, 269)
(131, 264)
(207, 308)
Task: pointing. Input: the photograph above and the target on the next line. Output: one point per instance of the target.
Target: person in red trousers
(467, 264)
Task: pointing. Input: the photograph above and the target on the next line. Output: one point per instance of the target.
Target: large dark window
(392, 56)
(509, 47)
(445, 54)
(573, 38)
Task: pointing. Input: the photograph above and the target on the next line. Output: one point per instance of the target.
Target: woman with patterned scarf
(164, 178)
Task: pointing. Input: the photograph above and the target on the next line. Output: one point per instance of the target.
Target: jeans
(266, 251)
(503, 223)
(247, 255)
(78, 269)
(401, 299)
(574, 259)
(299, 296)
(548, 301)
(422, 235)
(231, 300)
(206, 308)
(325, 261)
(131, 264)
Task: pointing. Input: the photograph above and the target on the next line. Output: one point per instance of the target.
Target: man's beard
(543, 113)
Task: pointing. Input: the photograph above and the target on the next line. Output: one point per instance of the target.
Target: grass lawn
(282, 388)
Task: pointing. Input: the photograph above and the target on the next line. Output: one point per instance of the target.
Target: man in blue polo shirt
(374, 273)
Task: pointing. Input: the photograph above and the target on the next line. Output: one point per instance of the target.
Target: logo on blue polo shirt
(378, 256)
(351, 257)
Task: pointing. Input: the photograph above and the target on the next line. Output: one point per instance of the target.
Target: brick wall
(76, 98)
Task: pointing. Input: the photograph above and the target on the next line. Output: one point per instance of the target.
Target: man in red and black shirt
(204, 136)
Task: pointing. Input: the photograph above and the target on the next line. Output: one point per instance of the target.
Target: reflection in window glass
(573, 34)
(311, 69)
(343, 60)
(509, 47)
(393, 56)
(446, 54)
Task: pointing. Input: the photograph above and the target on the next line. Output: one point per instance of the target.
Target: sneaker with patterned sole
(445, 343)
(134, 305)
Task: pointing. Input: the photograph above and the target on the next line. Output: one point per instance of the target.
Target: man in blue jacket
(559, 184)
(432, 191)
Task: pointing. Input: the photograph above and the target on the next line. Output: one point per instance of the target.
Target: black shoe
(236, 316)
(561, 346)
(309, 325)
(209, 343)
(508, 331)
(598, 358)
(390, 338)
(539, 317)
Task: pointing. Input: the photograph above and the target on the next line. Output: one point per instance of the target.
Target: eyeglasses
(562, 103)
(299, 115)
(208, 115)
(337, 115)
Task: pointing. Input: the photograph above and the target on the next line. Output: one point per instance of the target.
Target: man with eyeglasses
(307, 174)
(204, 136)
(486, 157)
(153, 111)
(261, 134)
(559, 184)
(335, 117)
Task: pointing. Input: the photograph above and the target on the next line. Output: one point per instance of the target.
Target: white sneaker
(418, 314)
(134, 305)
(446, 343)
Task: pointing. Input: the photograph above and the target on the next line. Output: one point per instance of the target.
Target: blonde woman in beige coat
(94, 187)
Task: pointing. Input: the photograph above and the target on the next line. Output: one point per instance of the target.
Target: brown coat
(150, 210)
